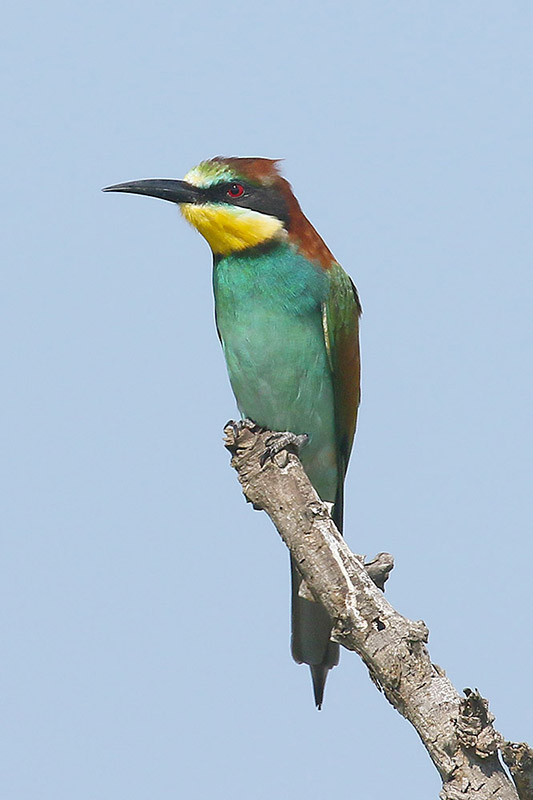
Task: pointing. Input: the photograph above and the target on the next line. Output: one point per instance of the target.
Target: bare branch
(380, 568)
(519, 758)
(457, 732)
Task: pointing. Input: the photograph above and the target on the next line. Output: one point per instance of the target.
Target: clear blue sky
(145, 606)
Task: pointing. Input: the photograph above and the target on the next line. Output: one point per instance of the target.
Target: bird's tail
(311, 631)
(311, 624)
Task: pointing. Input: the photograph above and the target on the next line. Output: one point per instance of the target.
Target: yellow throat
(230, 228)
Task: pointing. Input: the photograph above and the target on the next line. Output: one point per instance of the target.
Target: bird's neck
(229, 229)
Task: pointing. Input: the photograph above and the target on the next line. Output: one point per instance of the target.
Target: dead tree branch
(519, 758)
(456, 731)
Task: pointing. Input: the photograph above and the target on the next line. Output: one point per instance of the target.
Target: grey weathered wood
(456, 731)
(519, 758)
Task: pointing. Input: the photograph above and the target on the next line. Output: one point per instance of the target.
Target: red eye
(235, 190)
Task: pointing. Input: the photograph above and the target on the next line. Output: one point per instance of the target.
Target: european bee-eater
(288, 317)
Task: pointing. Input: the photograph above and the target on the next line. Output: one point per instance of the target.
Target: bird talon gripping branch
(284, 440)
(241, 425)
(238, 426)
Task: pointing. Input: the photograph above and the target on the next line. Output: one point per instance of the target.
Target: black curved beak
(175, 191)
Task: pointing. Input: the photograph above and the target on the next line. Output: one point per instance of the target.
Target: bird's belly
(279, 372)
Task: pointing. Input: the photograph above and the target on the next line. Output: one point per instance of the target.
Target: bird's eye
(235, 190)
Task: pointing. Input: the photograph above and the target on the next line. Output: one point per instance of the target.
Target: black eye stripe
(265, 199)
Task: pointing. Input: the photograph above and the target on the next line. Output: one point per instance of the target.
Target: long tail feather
(311, 631)
(311, 624)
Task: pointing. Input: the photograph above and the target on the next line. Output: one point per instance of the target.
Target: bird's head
(236, 204)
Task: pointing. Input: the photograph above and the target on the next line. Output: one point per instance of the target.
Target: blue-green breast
(269, 315)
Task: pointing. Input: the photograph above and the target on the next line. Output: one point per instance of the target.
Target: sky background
(145, 606)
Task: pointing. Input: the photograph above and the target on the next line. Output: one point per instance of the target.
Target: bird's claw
(285, 440)
(240, 433)
(240, 425)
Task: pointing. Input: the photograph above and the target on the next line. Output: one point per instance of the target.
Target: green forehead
(207, 173)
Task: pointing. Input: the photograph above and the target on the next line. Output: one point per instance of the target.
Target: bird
(287, 316)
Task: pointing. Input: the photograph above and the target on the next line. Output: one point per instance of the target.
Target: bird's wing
(340, 320)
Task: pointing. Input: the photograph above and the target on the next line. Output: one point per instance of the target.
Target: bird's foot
(284, 440)
(242, 425)
(240, 434)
